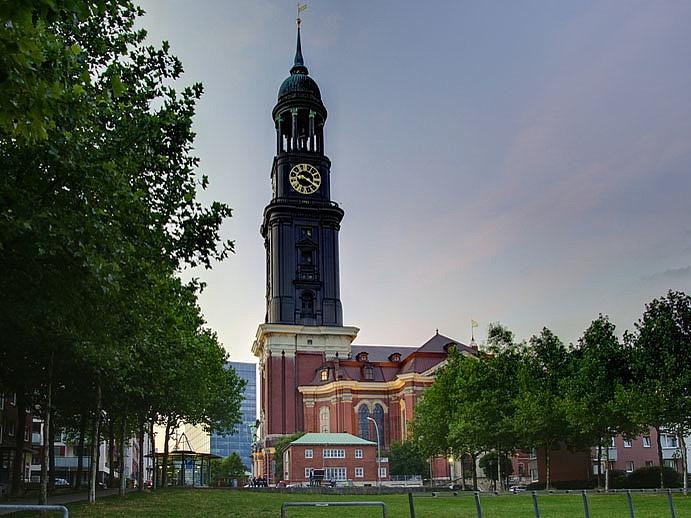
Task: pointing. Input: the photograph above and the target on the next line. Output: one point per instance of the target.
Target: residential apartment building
(15, 424)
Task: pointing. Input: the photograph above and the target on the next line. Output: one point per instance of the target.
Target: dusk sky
(527, 163)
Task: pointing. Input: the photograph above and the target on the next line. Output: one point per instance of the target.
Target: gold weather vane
(301, 8)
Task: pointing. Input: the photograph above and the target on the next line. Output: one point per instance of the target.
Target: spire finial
(299, 63)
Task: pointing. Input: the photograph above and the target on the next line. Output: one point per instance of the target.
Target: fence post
(585, 505)
(411, 504)
(537, 507)
(478, 507)
(628, 497)
(671, 503)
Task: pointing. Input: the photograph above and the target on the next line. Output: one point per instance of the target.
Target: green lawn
(221, 503)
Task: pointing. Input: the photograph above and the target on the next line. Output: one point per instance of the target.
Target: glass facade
(241, 439)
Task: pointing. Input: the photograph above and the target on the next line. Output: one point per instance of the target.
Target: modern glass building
(241, 439)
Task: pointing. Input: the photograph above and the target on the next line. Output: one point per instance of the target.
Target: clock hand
(303, 177)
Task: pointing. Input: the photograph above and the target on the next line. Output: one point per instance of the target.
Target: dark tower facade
(301, 223)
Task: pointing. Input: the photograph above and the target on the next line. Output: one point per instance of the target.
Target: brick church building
(314, 378)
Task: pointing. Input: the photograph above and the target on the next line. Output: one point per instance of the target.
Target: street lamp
(451, 471)
(376, 428)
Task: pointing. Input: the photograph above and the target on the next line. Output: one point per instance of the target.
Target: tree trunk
(121, 464)
(43, 494)
(462, 473)
(473, 457)
(80, 457)
(111, 453)
(95, 439)
(18, 464)
(164, 464)
(548, 464)
(607, 467)
(659, 456)
(51, 456)
(140, 460)
(154, 471)
(599, 464)
(684, 463)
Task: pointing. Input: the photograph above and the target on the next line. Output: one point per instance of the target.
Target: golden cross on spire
(301, 8)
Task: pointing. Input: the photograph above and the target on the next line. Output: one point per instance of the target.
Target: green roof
(342, 439)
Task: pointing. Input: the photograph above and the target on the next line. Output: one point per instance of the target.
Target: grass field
(209, 503)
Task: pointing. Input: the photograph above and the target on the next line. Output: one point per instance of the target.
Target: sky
(522, 162)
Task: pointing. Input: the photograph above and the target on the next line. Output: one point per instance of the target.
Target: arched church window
(307, 304)
(404, 421)
(363, 423)
(378, 414)
(324, 423)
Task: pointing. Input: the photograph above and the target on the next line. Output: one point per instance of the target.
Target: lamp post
(376, 428)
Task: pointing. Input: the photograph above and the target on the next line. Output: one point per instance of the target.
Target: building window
(646, 441)
(521, 469)
(670, 463)
(359, 472)
(368, 372)
(358, 454)
(363, 423)
(379, 419)
(324, 418)
(308, 472)
(404, 421)
(612, 442)
(533, 475)
(338, 474)
(331, 453)
(668, 440)
(13, 400)
(309, 453)
(648, 463)
(2, 401)
(382, 472)
(324, 375)
(627, 443)
(307, 304)
(27, 433)
(629, 466)
(10, 428)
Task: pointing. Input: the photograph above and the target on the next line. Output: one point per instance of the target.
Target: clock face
(305, 178)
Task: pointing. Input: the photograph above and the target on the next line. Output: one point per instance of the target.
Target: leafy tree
(599, 368)
(540, 409)
(661, 352)
(406, 458)
(488, 463)
(226, 469)
(279, 448)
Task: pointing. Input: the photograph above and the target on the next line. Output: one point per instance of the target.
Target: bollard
(585, 505)
(537, 508)
(478, 507)
(628, 497)
(411, 505)
(671, 503)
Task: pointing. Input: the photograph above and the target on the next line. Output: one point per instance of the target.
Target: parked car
(517, 489)
(61, 482)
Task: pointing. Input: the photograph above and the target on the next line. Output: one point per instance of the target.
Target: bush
(648, 478)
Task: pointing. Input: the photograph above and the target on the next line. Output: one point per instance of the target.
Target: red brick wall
(296, 462)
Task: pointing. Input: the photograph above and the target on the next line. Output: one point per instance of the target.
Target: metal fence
(43, 508)
(536, 503)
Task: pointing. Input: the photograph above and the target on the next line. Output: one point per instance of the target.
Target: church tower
(303, 325)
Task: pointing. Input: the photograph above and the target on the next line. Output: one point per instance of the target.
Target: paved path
(61, 499)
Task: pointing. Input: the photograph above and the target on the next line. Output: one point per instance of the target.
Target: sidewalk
(61, 499)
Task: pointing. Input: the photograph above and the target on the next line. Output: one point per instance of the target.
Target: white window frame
(669, 441)
(309, 453)
(630, 466)
(13, 400)
(308, 472)
(627, 443)
(646, 441)
(336, 473)
(358, 454)
(333, 453)
(382, 472)
(359, 472)
(11, 428)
